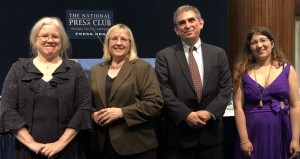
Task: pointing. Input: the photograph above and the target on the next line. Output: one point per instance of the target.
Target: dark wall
(150, 21)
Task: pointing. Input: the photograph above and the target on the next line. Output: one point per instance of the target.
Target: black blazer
(180, 96)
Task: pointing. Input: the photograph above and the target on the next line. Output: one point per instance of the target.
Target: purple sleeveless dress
(268, 126)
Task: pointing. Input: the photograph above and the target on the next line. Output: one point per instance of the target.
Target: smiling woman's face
(49, 43)
(119, 45)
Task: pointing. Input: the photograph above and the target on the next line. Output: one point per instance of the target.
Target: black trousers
(110, 153)
(197, 152)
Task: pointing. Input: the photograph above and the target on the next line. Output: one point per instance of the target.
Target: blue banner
(88, 24)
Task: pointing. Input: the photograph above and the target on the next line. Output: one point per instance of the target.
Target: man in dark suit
(193, 121)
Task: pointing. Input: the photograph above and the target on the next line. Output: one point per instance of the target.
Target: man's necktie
(195, 73)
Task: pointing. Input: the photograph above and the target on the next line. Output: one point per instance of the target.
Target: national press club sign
(88, 24)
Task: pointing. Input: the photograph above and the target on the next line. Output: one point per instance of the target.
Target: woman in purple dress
(266, 100)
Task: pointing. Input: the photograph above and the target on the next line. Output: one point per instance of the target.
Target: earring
(274, 54)
(251, 57)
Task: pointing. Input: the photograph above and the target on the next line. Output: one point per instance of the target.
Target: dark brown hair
(245, 60)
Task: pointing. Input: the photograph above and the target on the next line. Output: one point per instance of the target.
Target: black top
(108, 85)
(45, 126)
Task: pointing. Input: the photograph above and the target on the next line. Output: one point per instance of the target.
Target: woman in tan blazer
(126, 98)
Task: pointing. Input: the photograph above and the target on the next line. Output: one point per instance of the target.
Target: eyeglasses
(45, 38)
(116, 40)
(261, 40)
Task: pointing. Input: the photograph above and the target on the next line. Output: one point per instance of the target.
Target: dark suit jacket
(180, 97)
(136, 91)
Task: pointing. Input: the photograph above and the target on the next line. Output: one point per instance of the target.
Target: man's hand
(194, 121)
(204, 115)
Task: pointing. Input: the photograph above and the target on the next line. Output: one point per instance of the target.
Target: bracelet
(244, 142)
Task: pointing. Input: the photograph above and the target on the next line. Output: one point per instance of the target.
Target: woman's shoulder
(142, 67)
(72, 64)
(140, 62)
(99, 67)
(101, 64)
(22, 62)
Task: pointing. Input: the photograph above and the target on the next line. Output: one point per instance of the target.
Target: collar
(186, 46)
(59, 75)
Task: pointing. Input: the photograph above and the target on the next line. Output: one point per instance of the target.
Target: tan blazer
(136, 91)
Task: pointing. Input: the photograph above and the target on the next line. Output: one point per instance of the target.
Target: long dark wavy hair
(245, 60)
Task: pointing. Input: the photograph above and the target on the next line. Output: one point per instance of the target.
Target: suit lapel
(122, 76)
(184, 65)
(101, 75)
(206, 64)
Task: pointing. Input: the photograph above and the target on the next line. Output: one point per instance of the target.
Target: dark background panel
(151, 22)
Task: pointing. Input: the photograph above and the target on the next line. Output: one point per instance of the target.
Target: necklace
(49, 66)
(115, 67)
(261, 93)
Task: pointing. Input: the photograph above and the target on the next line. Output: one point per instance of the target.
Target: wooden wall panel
(297, 8)
(276, 15)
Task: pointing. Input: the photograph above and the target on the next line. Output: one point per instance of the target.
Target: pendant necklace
(116, 67)
(261, 93)
(48, 66)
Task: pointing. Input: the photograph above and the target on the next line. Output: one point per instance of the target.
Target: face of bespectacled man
(188, 27)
